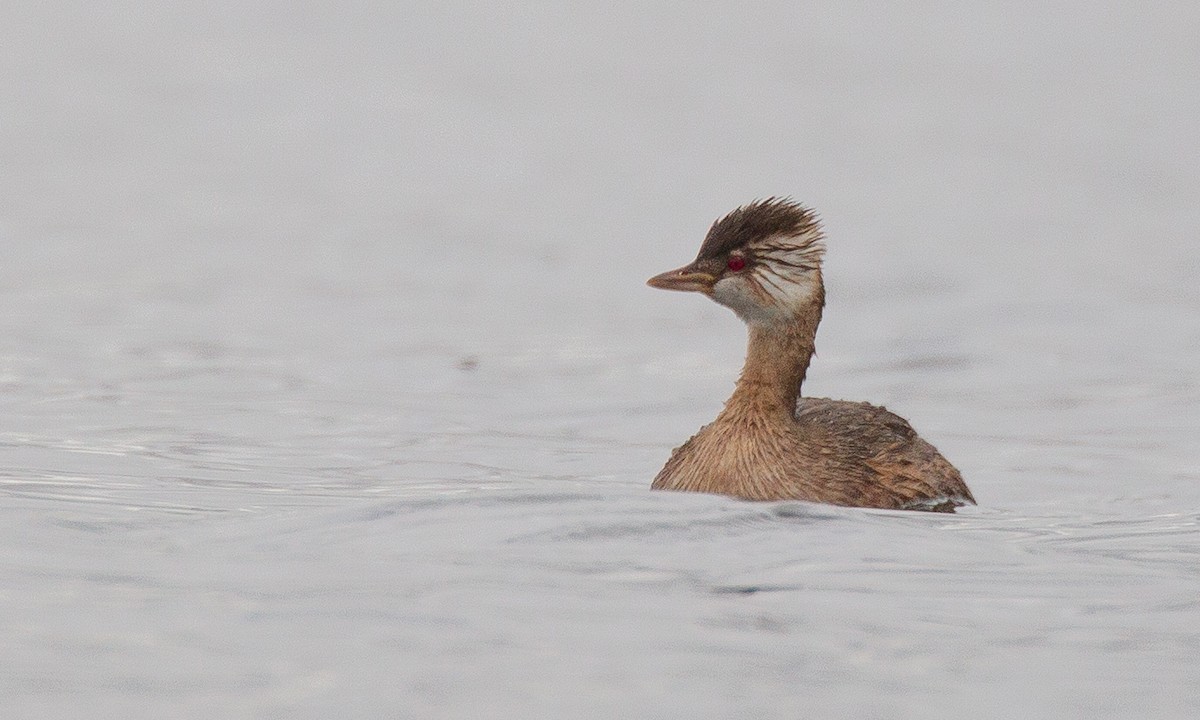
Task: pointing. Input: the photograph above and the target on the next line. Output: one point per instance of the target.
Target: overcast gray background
(329, 384)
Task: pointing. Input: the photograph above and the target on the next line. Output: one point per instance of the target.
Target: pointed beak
(686, 279)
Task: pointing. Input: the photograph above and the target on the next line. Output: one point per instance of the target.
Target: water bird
(770, 442)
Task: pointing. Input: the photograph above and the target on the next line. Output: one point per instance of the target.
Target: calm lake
(330, 385)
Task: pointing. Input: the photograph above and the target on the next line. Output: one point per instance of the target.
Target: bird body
(763, 261)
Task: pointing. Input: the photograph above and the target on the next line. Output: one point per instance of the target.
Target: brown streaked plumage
(763, 261)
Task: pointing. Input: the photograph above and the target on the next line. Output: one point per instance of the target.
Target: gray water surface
(330, 387)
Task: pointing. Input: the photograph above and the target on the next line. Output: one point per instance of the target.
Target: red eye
(736, 263)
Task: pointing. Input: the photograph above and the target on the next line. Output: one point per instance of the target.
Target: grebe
(763, 261)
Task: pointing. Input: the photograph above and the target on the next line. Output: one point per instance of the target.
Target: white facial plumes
(782, 279)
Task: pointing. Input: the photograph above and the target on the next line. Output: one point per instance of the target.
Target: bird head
(763, 261)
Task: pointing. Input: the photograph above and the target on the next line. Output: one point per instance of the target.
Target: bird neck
(777, 359)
